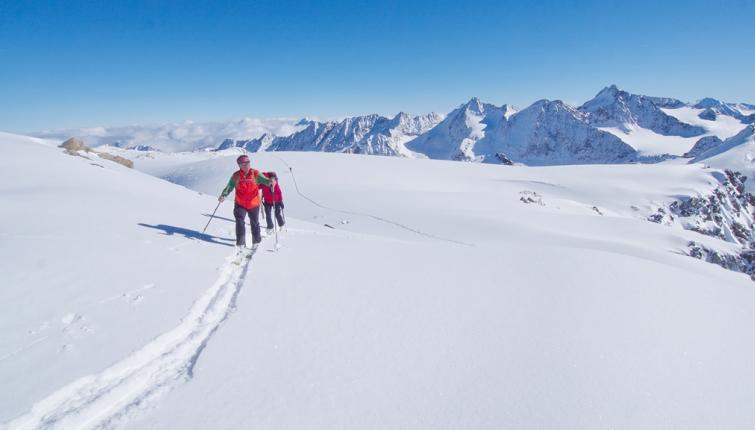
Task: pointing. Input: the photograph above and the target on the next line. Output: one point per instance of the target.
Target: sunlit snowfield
(405, 293)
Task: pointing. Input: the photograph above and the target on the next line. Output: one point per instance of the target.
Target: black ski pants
(240, 213)
(278, 214)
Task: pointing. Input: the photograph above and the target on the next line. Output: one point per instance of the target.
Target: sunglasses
(244, 162)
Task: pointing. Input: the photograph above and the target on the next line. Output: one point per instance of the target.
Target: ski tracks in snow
(104, 400)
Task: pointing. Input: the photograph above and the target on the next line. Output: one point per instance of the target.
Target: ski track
(104, 400)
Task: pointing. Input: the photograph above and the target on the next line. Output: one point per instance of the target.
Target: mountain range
(613, 127)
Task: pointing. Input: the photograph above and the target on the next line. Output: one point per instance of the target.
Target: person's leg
(240, 214)
(254, 217)
(268, 217)
(279, 214)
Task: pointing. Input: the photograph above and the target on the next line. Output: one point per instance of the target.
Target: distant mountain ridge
(370, 134)
(741, 111)
(613, 107)
(609, 128)
(548, 132)
(456, 137)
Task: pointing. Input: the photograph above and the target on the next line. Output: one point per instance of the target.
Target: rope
(375, 217)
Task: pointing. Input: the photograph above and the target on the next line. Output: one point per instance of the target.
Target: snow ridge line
(103, 400)
(375, 217)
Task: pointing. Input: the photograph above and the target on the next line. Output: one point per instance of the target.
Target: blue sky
(66, 64)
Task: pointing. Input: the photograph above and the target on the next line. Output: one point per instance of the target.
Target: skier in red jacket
(246, 181)
(272, 197)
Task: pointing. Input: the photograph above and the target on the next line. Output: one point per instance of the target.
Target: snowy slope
(96, 261)
(723, 126)
(714, 108)
(487, 313)
(442, 295)
(649, 143)
(736, 152)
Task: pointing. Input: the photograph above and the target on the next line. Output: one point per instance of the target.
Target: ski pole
(275, 225)
(211, 217)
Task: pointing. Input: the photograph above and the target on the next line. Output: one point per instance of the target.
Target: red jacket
(270, 196)
(247, 187)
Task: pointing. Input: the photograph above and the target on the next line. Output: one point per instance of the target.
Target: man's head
(243, 162)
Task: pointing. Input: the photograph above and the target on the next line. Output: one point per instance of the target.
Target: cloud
(175, 137)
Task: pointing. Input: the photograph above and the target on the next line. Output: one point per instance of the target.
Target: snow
(647, 142)
(723, 127)
(736, 153)
(95, 263)
(476, 127)
(460, 133)
(746, 109)
(438, 299)
(509, 111)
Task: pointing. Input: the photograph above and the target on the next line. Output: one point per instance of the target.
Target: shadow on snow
(189, 234)
(219, 217)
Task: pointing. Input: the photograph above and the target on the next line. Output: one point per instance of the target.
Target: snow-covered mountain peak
(509, 110)
(607, 96)
(367, 134)
(401, 117)
(606, 99)
(475, 105)
(707, 102)
(615, 108)
(549, 107)
(456, 136)
(712, 108)
(553, 132)
(611, 91)
(416, 125)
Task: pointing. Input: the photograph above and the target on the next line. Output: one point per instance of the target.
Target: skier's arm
(277, 192)
(227, 190)
(263, 179)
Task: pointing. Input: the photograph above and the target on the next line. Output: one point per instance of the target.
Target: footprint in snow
(76, 326)
(44, 326)
(70, 319)
(133, 297)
